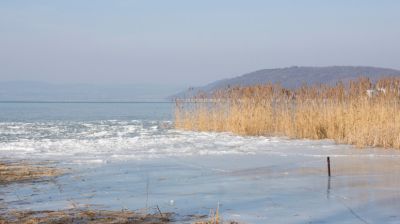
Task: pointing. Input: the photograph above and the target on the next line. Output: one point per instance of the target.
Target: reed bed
(359, 112)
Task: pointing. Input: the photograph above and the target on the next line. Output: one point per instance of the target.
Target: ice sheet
(137, 164)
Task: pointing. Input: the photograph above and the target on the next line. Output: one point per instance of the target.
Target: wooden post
(329, 165)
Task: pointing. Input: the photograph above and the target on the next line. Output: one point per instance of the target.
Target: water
(48, 112)
(128, 155)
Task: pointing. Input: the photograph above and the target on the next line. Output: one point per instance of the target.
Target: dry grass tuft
(360, 113)
(20, 172)
(83, 217)
(215, 218)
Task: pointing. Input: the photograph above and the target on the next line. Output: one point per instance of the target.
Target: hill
(293, 77)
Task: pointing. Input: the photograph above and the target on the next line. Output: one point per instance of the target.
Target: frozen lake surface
(128, 156)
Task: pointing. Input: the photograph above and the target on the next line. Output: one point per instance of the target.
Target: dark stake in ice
(329, 165)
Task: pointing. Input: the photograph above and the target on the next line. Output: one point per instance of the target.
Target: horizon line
(88, 101)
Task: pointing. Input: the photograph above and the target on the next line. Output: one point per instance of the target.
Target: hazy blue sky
(189, 42)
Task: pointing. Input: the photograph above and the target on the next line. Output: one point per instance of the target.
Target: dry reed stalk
(344, 113)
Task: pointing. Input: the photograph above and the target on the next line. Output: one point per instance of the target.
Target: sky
(184, 42)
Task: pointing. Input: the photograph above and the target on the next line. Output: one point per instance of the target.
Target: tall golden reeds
(359, 112)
